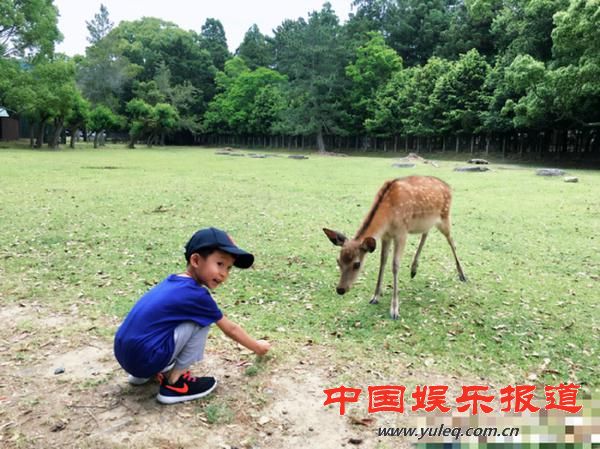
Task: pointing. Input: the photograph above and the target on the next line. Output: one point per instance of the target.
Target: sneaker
(143, 380)
(186, 388)
(137, 380)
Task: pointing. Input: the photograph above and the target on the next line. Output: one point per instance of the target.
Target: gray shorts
(190, 341)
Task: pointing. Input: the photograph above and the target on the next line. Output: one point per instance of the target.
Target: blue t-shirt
(144, 342)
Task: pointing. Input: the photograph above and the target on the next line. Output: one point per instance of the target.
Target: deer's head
(351, 257)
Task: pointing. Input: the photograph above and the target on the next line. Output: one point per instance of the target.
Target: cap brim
(243, 259)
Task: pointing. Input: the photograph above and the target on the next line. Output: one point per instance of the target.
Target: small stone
(549, 172)
(59, 370)
(477, 168)
(478, 161)
(403, 165)
(264, 420)
(571, 179)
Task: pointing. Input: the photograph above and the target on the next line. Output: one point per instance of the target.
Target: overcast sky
(235, 15)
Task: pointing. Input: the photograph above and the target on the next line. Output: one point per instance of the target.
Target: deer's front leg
(398, 250)
(385, 249)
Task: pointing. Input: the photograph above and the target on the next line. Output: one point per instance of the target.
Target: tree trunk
(320, 142)
(73, 131)
(97, 138)
(40, 137)
(55, 138)
(132, 140)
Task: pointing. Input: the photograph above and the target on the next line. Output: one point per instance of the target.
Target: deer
(402, 206)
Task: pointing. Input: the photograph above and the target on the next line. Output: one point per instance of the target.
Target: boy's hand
(263, 347)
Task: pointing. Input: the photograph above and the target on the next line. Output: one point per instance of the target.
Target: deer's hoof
(374, 301)
(394, 315)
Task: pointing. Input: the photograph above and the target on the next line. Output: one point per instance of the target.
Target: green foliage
(214, 41)
(99, 26)
(576, 86)
(313, 57)
(105, 72)
(373, 67)
(28, 27)
(102, 118)
(150, 42)
(459, 94)
(248, 102)
(150, 121)
(423, 68)
(525, 27)
(255, 49)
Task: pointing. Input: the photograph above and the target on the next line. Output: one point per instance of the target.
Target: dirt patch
(89, 404)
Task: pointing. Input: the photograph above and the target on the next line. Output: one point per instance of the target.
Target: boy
(165, 332)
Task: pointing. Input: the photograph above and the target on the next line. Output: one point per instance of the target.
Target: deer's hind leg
(415, 262)
(444, 227)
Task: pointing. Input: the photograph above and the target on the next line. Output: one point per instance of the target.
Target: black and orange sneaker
(186, 388)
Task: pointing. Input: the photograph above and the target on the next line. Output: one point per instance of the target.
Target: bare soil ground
(91, 405)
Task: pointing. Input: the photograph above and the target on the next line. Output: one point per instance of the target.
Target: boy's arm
(235, 332)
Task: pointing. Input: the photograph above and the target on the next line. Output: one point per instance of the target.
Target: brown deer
(411, 205)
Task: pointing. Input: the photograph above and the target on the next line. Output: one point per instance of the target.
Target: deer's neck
(376, 221)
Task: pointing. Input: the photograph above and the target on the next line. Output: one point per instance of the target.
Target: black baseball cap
(218, 239)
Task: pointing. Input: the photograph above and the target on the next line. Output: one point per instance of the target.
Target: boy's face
(212, 271)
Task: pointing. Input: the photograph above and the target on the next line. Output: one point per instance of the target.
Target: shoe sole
(132, 380)
(175, 399)
(137, 380)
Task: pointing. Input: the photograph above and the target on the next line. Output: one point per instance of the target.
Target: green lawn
(96, 228)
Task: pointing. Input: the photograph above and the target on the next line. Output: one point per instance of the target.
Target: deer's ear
(335, 237)
(368, 244)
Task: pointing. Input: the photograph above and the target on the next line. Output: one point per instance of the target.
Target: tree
(77, 117)
(101, 119)
(45, 93)
(255, 49)
(576, 69)
(414, 28)
(149, 121)
(28, 27)
(313, 57)
(214, 41)
(105, 72)
(525, 27)
(459, 94)
(405, 105)
(373, 67)
(249, 101)
(531, 106)
(470, 24)
(99, 26)
(149, 42)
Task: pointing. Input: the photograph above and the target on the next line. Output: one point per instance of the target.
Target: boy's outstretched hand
(263, 347)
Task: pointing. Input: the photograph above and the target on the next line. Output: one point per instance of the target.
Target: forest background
(518, 77)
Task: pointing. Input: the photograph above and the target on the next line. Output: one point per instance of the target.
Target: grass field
(94, 229)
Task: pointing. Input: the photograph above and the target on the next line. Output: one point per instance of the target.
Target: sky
(237, 16)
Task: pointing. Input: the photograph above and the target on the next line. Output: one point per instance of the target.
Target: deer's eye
(356, 265)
